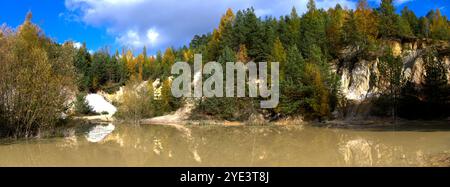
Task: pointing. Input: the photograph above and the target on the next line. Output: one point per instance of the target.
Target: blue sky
(156, 24)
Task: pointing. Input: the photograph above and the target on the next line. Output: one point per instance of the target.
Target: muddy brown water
(208, 145)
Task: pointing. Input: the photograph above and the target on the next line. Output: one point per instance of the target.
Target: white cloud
(77, 45)
(133, 38)
(161, 23)
(396, 2)
(152, 36)
(399, 2)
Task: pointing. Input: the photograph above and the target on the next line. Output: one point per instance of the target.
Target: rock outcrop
(358, 76)
(99, 104)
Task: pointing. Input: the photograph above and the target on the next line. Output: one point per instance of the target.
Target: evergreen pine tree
(388, 26)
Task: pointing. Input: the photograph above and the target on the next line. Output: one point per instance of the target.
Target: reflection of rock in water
(357, 152)
(362, 152)
(196, 156)
(188, 134)
(99, 132)
(157, 146)
(439, 160)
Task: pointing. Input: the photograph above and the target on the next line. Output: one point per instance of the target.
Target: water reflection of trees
(265, 146)
(130, 145)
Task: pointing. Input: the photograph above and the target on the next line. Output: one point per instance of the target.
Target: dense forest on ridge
(309, 47)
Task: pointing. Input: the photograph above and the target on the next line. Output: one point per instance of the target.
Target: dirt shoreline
(357, 124)
(96, 118)
(337, 123)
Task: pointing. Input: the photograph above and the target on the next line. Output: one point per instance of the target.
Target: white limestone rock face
(345, 81)
(99, 104)
(356, 85)
(356, 82)
(417, 71)
(360, 81)
(447, 64)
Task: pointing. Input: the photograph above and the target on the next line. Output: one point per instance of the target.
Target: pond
(213, 145)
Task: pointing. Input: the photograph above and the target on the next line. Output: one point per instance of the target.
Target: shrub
(35, 81)
(227, 108)
(137, 102)
(81, 105)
